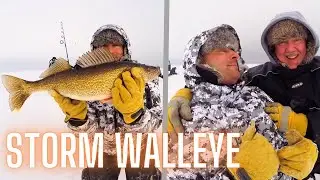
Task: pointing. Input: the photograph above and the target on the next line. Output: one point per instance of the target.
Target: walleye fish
(92, 82)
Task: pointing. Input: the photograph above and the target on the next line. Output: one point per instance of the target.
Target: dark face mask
(207, 75)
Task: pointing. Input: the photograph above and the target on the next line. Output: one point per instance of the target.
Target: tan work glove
(70, 107)
(127, 94)
(179, 108)
(256, 156)
(297, 159)
(287, 119)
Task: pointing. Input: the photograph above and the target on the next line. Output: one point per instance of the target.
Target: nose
(234, 56)
(115, 51)
(290, 46)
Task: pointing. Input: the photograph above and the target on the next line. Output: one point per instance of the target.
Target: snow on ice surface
(40, 111)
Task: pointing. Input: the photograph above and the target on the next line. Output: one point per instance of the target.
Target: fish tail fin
(16, 88)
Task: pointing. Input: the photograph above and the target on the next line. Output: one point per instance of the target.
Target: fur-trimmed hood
(312, 38)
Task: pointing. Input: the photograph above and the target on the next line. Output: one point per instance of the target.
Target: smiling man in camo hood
(222, 103)
(141, 112)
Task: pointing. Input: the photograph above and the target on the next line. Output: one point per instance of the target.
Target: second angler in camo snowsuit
(217, 107)
(95, 116)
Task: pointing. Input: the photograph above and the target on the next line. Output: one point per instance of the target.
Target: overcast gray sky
(248, 17)
(30, 30)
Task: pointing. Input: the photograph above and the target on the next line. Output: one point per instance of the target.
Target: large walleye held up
(93, 81)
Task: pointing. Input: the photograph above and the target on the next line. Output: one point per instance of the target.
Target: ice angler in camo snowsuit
(104, 118)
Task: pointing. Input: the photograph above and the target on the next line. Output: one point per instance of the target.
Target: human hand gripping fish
(92, 82)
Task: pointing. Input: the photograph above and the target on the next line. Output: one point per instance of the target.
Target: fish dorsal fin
(95, 57)
(58, 66)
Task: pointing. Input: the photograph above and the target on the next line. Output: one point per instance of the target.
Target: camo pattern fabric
(224, 109)
(104, 118)
(218, 108)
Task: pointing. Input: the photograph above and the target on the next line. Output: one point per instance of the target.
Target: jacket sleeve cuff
(132, 119)
(238, 174)
(77, 122)
(185, 93)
